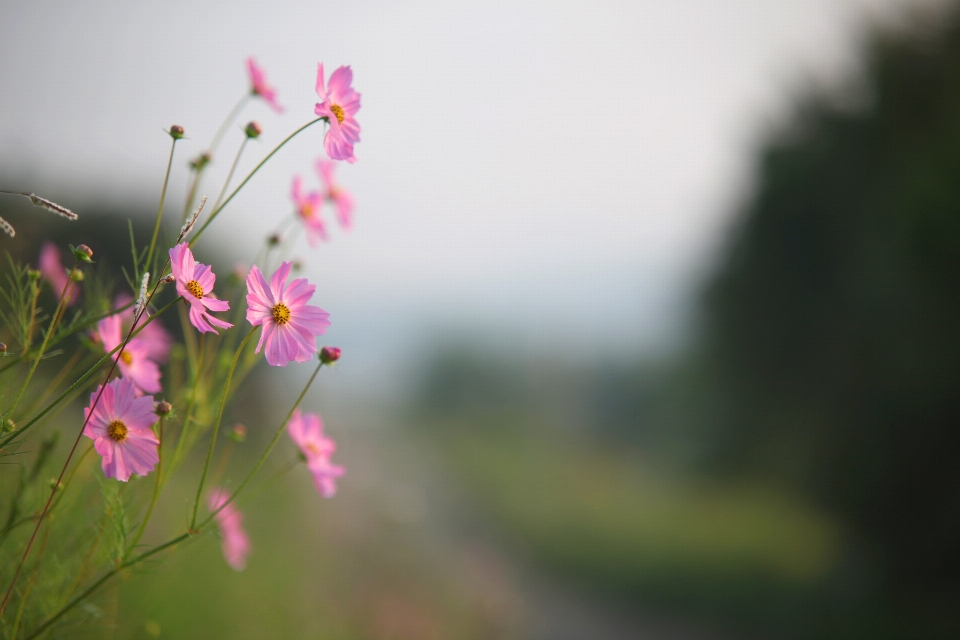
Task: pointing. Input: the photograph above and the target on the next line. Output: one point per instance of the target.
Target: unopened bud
(7, 425)
(201, 161)
(329, 355)
(33, 274)
(238, 433)
(76, 275)
(83, 253)
(176, 132)
(253, 129)
(163, 408)
(55, 484)
(3, 348)
(274, 240)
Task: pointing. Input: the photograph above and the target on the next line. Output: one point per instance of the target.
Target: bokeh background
(650, 314)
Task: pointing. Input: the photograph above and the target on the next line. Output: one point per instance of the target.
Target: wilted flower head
(120, 428)
(195, 283)
(308, 208)
(259, 86)
(134, 362)
(339, 104)
(306, 430)
(53, 272)
(340, 197)
(290, 325)
(236, 543)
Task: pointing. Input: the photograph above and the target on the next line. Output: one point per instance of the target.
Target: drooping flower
(134, 362)
(259, 86)
(158, 340)
(340, 197)
(195, 283)
(308, 208)
(53, 272)
(338, 104)
(306, 430)
(236, 543)
(120, 427)
(290, 325)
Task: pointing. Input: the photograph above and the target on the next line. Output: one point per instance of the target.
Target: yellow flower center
(337, 111)
(194, 287)
(126, 358)
(281, 314)
(117, 431)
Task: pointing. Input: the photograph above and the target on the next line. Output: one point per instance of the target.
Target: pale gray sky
(552, 174)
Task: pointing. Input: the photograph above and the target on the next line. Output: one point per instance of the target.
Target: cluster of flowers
(122, 413)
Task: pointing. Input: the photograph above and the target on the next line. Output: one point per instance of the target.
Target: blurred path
(409, 479)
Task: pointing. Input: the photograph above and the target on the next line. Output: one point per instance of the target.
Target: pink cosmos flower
(158, 340)
(308, 207)
(259, 86)
(195, 283)
(290, 325)
(120, 429)
(336, 194)
(306, 430)
(53, 272)
(339, 103)
(236, 543)
(134, 363)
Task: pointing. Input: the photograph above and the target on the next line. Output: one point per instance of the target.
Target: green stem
(156, 493)
(86, 376)
(216, 426)
(163, 195)
(217, 210)
(193, 400)
(266, 454)
(198, 176)
(233, 167)
(228, 121)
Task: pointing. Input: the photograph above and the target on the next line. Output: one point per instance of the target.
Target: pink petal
(279, 280)
(340, 81)
(321, 91)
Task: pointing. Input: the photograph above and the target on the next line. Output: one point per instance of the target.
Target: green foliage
(117, 528)
(18, 297)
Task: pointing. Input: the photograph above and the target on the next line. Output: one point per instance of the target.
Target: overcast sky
(550, 174)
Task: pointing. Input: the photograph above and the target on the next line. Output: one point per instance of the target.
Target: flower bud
(238, 433)
(7, 425)
(329, 355)
(55, 484)
(33, 274)
(253, 129)
(176, 132)
(201, 161)
(83, 253)
(76, 275)
(3, 348)
(163, 408)
(274, 240)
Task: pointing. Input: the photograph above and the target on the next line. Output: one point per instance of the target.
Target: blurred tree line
(833, 324)
(827, 357)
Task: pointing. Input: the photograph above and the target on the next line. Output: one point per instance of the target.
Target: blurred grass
(342, 568)
(605, 516)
